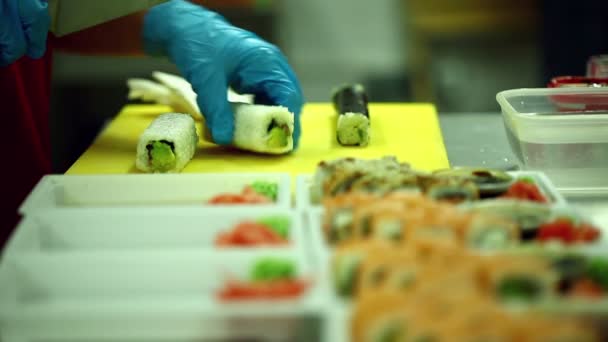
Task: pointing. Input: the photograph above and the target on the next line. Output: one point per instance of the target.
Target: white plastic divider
(304, 202)
(148, 294)
(146, 190)
(130, 229)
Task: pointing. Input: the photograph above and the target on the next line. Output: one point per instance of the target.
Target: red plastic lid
(580, 102)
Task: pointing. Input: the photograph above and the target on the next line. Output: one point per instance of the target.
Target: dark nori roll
(350, 102)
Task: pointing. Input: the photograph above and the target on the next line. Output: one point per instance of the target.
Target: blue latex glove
(212, 55)
(24, 25)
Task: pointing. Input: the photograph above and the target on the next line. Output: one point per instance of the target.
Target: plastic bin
(126, 296)
(145, 190)
(65, 230)
(560, 131)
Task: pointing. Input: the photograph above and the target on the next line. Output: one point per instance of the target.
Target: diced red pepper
(525, 190)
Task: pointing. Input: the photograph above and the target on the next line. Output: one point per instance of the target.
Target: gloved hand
(212, 55)
(24, 25)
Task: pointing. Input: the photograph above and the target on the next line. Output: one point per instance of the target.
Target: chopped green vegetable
(518, 287)
(267, 189)
(279, 224)
(161, 156)
(268, 269)
(597, 270)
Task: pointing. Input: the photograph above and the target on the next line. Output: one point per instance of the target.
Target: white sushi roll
(263, 129)
(168, 144)
(257, 128)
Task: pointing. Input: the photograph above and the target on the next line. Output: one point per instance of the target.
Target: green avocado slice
(161, 155)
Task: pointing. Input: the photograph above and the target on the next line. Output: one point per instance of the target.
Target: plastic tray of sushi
(159, 190)
(153, 295)
(128, 229)
(387, 174)
(406, 294)
(496, 225)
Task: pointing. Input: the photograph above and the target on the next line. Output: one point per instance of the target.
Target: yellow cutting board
(409, 131)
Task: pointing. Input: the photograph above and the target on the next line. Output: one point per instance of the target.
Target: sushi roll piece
(451, 190)
(346, 264)
(491, 183)
(484, 322)
(519, 279)
(353, 126)
(395, 271)
(338, 219)
(336, 176)
(168, 144)
(556, 329)
(386, 181)
(263, 129)
(382, 317)
(486, 233)
(389, 226)
(366, 218)
(528, 216)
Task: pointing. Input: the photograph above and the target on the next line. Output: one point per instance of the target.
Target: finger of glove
(35, 19)
(212, 98)
(12, 40)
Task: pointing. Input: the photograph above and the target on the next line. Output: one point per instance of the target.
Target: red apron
(24, 116)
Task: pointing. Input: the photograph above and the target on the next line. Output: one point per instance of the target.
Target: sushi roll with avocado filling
(489, 234)
(353, 126)
(452, 190)
(382, 317)
(520, 279)
(346, 264)
(528, 216)
(339, 218)
(168, 144)
(491, 183)
(263, 129)
(338, 176)
(392, 271)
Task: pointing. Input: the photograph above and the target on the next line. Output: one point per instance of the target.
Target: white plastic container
(146, 190)
(303, 182)
(560, 131)
(168, 296)
(130, 229)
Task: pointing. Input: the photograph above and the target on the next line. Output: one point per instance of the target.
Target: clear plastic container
(560, 131)
(139, 296)
(146, 190)
(64, 230)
